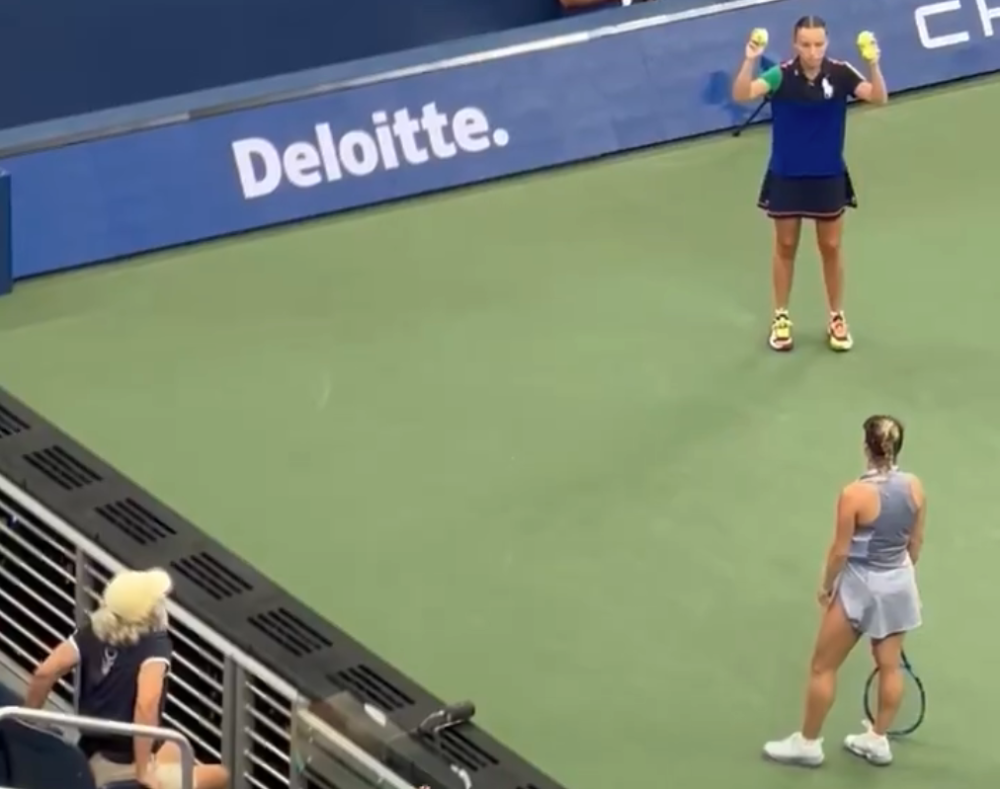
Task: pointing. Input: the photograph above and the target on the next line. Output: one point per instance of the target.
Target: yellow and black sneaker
(838, 335)
(780, 338)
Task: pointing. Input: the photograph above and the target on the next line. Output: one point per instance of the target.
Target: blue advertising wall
(648, 82)
(67, 57)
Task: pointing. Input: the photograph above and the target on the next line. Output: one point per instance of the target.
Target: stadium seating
(33, 759)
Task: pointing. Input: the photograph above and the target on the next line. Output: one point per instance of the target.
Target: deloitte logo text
(388, 146)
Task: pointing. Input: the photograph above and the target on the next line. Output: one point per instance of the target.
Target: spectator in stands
(124, 657)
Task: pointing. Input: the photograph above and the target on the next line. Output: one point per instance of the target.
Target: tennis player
(807, 177)
(868, 589)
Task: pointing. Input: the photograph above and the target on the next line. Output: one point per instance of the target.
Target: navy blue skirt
(807, 198)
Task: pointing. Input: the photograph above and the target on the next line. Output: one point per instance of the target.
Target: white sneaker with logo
(873, 748)
(795, 750)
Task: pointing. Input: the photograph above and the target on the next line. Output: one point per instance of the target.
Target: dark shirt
(109, 686)
(810, 118)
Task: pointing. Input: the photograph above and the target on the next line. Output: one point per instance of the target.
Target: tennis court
(526, 440)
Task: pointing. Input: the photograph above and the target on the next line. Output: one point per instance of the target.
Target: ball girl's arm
(745, 87)
(873, 89)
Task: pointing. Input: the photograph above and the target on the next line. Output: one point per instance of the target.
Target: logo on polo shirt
(827, 88)
(108, 661)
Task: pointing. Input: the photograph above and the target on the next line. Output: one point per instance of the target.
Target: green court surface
(526, 440)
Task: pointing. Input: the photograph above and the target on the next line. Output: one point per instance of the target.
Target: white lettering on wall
(392, 141)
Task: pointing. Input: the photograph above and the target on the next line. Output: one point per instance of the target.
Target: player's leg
(837, 637)
(873, 744)
(829, 236)
(896, 612)
(787, 231)
(891, 682)
(834, 642)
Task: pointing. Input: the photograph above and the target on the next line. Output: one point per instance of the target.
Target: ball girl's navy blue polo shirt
(809, 118)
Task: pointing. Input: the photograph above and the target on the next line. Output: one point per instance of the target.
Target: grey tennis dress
(878, 586)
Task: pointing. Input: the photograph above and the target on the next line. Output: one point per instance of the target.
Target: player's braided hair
(883, 439)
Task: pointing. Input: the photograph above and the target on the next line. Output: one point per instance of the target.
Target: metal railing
(99, 726)
(232, 709)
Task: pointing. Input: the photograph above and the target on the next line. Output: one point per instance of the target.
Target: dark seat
(34, 759)
(4, 764)
(39, 760)
(8, 698)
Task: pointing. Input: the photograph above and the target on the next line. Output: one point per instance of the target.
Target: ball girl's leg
(829, 234)
(787, 231)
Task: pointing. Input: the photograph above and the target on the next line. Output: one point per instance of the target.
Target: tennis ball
(759, 37)
(867, 45)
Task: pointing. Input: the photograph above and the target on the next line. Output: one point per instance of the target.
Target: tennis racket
(912, 710)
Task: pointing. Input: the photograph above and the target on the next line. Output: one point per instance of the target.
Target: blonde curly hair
(134, 604)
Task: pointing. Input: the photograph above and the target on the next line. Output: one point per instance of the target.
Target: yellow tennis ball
(759, 37)
(867, 45)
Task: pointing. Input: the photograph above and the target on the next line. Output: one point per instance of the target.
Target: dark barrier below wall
(71, 57)
(178, 108)
(6, 249)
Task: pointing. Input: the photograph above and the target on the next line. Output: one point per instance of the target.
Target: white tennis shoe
(796, 750)
(873, 748)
